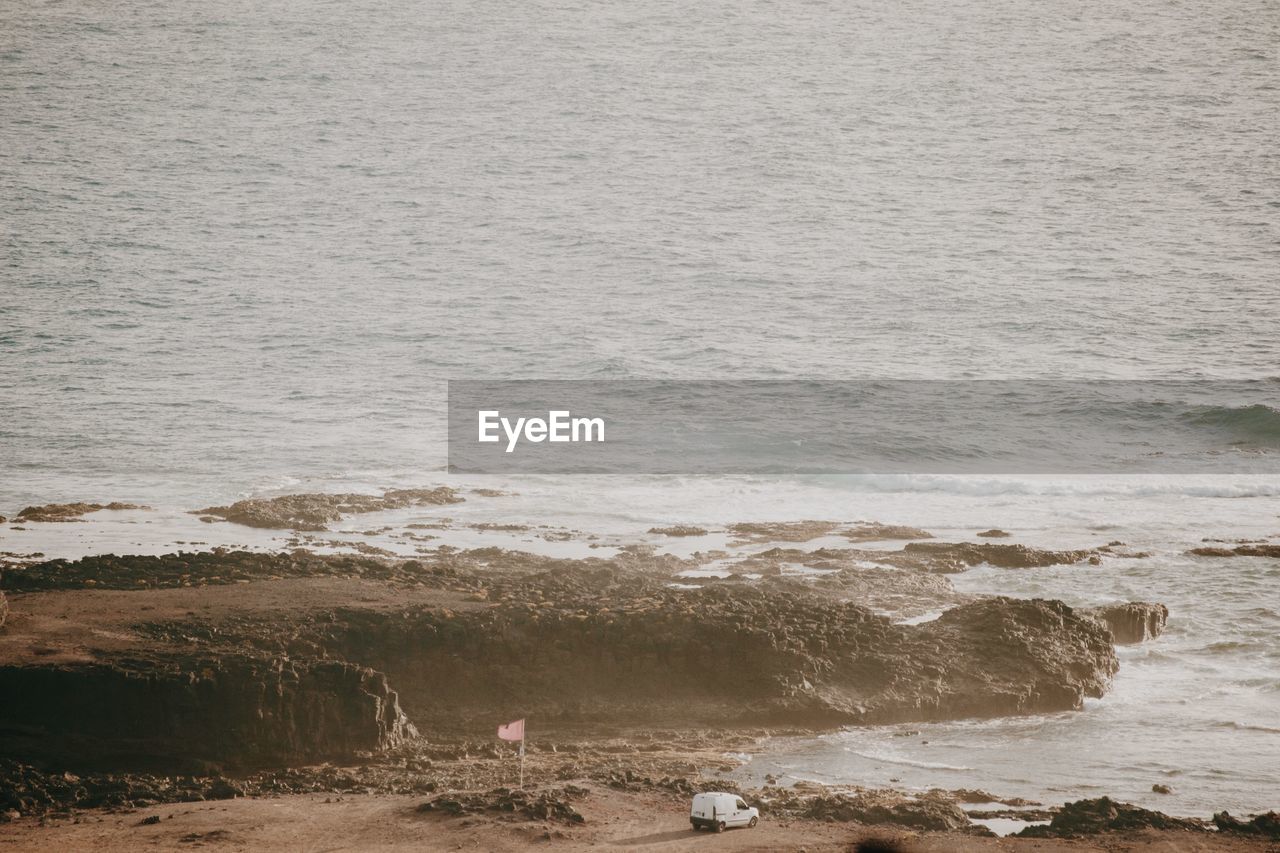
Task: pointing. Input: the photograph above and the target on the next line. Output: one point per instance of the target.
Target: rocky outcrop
(679, 530)
(240, 711)
(1132, 622)
(1263, 825)
(67, 512)
(803, 531)
(958, 556)
(926, 812)
(781, 531)
(1091, 817)
(197, 568)
(603, 644)
(1252, 550)
(317, 511)
(875, 532)
(993, 533)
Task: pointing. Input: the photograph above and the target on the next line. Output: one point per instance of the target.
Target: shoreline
(637, 721)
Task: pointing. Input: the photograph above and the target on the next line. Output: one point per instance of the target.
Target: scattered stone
(151, 820)
(549, 805)
(1161, 789)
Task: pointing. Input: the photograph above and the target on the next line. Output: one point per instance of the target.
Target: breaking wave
(1083, 485)
(1257, 424)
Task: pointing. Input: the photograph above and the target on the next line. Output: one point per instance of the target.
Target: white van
(719, 811)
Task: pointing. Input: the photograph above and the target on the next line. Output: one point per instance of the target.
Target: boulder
(1132, 622)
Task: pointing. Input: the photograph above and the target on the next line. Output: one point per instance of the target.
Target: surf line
(559, 426)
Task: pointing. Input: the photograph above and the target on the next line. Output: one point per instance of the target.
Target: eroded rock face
(604, 644)
(958, 556)
(316, 511)
(4, 609)
(1132, 622)
(67, 512)
(239, 711)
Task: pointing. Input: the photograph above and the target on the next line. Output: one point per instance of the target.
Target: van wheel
(753, 823)
(720, 826)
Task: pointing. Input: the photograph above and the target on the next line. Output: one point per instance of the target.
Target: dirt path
(614, 821)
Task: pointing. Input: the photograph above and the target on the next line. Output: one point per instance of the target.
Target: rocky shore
(134, 681)
(572, 642)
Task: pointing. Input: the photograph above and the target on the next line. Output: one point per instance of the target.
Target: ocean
(243, 246)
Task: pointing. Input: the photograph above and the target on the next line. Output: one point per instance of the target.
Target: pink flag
(512, 731)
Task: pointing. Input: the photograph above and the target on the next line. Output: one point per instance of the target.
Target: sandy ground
(69, 626)
(614, 821)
